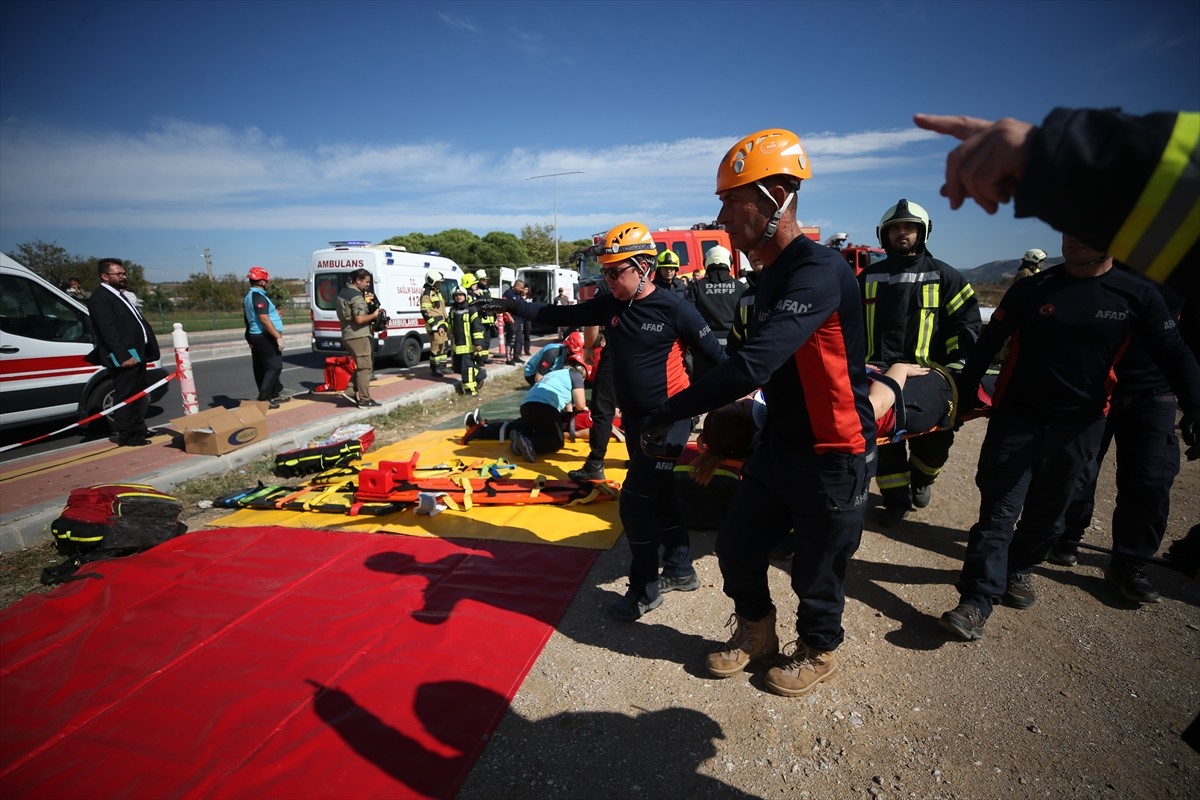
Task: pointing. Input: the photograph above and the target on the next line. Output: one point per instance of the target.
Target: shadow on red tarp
(270, 662)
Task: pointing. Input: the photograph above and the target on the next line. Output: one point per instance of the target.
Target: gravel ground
(1083, 695)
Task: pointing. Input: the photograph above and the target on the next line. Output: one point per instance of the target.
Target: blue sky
(263, 130)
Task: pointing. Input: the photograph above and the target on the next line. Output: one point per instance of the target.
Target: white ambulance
(44, 336)
(544, 281)
(397, 278)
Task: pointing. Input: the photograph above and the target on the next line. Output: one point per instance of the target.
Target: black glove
(967, 391)
(499, 305)
(654, 441)
(1189, 431)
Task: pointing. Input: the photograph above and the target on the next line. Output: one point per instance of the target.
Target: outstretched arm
(989, 163)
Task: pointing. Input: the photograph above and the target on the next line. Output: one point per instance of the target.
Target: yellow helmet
(667, 260)
(773, 151)
(625, 241)
(468, 280)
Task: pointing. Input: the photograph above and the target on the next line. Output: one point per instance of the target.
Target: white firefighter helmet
(718, 256)
(904, 211)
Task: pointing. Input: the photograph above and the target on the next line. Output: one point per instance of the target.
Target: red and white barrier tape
(87, 420)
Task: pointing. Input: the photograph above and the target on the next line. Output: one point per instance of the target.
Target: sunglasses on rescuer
(612, 273)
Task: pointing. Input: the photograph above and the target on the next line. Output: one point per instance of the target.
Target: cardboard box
(220, 430)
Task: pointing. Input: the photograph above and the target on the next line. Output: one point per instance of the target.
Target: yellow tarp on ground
(594, 525)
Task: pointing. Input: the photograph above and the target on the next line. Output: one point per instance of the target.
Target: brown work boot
(751, 641)
(802, 670)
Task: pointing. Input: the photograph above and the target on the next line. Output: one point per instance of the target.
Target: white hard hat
(433, 276)
(718, 255)
(481, 274)
(1034, 256)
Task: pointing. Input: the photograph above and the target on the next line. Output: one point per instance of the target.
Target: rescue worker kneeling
(548, 403)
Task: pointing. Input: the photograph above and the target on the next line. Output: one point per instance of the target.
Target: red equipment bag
(338, 372)
(109, 521)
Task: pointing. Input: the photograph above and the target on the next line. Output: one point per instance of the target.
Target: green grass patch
(161, 320)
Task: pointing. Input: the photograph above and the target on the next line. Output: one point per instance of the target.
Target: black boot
(592, 470)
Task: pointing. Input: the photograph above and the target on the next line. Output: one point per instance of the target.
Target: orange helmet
(258, 274)
(625, 241)
(761, 155)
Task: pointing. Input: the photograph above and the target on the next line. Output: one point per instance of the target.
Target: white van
(544, 281)
(397, 277)
(44, 336)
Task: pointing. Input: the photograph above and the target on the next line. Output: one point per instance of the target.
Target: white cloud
(188, 176)
(462, 23)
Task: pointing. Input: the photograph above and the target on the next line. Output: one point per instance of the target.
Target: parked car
(44, 337)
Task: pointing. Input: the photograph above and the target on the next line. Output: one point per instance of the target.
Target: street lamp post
(554, 180)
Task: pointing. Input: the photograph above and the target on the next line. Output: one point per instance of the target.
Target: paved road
(221, 367)
(224, 377)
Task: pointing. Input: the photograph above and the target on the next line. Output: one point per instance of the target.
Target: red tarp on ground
(197, 669)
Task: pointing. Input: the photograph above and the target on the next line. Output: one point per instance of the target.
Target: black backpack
(109, 521)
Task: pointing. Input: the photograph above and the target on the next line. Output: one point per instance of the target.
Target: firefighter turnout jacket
(466, 329)
(716, 298)
(918, 310)
(1124, 184)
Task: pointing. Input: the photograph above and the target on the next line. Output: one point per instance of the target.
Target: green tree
(279, 293)
(202, 292)
(457, 244)
(412, 242)
(58, 266)
(539, 243)
(157, 301)
(500, 248)
(55, 264)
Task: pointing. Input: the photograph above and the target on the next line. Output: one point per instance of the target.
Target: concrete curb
(29, 527)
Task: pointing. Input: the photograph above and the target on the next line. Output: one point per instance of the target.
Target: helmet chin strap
(769, 231)
(644, 270)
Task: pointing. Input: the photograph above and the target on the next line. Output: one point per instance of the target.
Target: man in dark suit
(124, 345)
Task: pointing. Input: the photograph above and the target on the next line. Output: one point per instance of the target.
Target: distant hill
(1000, 271)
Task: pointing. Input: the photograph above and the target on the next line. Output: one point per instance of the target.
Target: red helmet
(576, 359)
(574, 343)
(258, 274)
